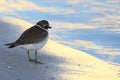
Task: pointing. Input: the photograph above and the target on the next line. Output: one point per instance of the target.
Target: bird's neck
(41, 27)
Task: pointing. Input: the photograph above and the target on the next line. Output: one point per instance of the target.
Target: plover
(33, 39)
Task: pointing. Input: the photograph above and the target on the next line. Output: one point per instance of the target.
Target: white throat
(41, 27)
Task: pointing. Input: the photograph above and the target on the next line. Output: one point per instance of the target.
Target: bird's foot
(31, 60)
(35, 61)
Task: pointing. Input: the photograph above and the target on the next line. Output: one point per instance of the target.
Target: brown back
(32, 35)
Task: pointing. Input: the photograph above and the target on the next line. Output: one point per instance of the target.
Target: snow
(60, 62)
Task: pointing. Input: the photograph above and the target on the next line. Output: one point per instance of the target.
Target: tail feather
(10, 45)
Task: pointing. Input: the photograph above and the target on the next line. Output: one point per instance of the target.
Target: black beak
(50, 27)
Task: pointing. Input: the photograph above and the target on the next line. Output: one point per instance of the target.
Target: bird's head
(44, 24)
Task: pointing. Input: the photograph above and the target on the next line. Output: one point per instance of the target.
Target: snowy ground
(60, 62)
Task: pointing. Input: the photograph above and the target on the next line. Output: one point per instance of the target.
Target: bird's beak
(50, 27)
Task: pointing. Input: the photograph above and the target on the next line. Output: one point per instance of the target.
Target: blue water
(106, 39)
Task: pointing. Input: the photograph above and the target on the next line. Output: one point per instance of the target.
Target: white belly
(34, 46)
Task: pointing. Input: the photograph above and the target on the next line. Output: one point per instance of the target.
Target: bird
(33, 39)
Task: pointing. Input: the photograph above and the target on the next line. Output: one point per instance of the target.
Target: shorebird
(33, 39)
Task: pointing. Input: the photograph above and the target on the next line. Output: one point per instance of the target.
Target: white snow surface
(60, 62)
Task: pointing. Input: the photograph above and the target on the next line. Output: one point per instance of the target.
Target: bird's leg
(29, 56)
(36, 56)
(36, 61)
